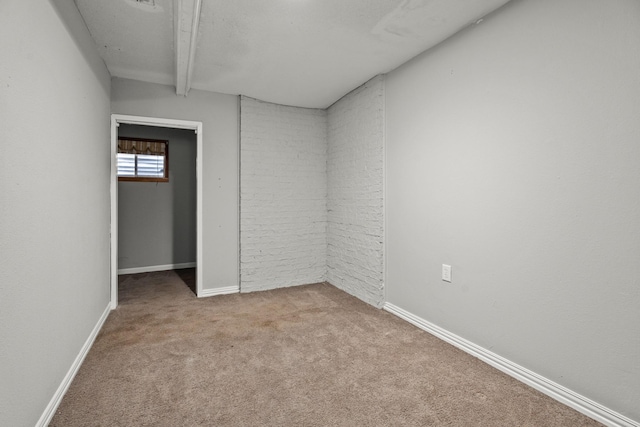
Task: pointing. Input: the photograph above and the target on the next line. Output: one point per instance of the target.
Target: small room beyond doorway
(157, 220)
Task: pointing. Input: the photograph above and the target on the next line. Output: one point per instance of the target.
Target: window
(143, 159)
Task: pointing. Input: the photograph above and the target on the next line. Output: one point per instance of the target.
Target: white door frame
(116, 119)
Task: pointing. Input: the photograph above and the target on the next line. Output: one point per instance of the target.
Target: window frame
(165, 178)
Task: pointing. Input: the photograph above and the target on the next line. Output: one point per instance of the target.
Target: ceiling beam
(186, 19)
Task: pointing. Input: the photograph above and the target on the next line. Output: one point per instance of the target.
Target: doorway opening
(116, 121)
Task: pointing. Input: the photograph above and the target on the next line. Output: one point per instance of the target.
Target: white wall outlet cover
(446, 273)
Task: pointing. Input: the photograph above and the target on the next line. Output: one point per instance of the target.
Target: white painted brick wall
(355, 179)
(283, 195)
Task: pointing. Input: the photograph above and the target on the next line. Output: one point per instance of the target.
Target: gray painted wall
(219, 115)
(157, 220)
(54, 200)
(513, 154)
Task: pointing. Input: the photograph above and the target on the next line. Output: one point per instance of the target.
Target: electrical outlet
(446, 273)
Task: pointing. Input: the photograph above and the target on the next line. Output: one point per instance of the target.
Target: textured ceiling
(135, 41)
(306, 53)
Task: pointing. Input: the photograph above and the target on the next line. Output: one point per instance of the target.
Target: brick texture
(355, 178)
(283, 195)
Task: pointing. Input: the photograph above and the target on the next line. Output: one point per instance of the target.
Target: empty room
(320, 212)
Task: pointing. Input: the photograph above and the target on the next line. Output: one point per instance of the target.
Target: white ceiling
(307, 53)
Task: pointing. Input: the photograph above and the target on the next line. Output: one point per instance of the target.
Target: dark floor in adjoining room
(188, 276)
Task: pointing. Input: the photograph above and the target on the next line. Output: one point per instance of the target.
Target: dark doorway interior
(188, 276)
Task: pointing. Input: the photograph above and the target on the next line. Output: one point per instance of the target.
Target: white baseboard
(219, 291)
(51, 408)
(152, 268)
(540, 383)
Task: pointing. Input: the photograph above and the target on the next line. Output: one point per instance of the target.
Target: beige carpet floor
(304, 356)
